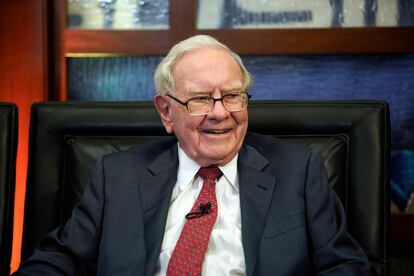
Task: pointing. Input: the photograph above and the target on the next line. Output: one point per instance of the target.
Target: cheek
(187, 128)
(242, 121)
(241, 130)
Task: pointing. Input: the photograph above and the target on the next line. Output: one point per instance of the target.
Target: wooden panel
(112, 41)
(318, 41)
(23, 80)
(182, 19)
(249, 42)
(56, 49)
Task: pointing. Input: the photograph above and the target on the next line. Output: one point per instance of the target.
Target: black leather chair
(352, 136)
(8, 147)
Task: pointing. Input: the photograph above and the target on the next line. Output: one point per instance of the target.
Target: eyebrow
(195, 93)
(233, 89)
(224, 90)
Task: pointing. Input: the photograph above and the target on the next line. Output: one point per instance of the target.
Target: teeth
(216, 131)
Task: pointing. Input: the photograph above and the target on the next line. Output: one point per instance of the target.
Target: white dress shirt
(224, 254)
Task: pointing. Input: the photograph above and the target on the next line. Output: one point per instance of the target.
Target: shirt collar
(188, 168)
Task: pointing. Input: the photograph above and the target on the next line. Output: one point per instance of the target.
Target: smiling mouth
(216, 131)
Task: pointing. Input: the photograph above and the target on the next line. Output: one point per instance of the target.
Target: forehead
(207, 68)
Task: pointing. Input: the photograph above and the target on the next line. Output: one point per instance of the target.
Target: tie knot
(211, 173)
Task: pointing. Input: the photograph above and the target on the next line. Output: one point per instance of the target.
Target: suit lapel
(256, 189)
(156, 195)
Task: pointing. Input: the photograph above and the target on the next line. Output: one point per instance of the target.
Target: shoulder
(283, 158)
(271, 147)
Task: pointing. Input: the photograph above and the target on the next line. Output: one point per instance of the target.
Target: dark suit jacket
(292, 222)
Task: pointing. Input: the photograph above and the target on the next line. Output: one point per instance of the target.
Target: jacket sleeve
(335, 252)
(72, 248)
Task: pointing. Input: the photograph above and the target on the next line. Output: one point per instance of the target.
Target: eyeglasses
(203, 105)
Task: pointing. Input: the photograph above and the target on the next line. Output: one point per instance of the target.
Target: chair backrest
(352, 136)
(8, 147)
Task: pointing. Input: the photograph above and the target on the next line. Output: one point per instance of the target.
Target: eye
(200, 99)
(232, 95)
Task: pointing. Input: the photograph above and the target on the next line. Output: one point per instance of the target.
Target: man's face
(214, 138)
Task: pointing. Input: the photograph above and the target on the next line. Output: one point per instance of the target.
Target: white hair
(163, 78)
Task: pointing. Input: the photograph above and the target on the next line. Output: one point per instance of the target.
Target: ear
(164, 109)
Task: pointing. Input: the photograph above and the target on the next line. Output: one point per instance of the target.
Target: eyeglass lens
(231, 102)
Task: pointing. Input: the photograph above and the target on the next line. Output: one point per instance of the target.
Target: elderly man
(212, 200)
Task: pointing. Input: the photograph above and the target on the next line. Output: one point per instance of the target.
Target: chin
(221, 159)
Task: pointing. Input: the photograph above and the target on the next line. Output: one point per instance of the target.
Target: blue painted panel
(111, 78)
(402, 178)
(389, 78)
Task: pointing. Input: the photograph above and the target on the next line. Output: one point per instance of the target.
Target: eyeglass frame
(214, 102)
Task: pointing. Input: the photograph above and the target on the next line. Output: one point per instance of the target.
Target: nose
(219, 112)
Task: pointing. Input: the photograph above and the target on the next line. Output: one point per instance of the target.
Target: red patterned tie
(188, 255)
